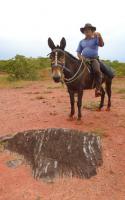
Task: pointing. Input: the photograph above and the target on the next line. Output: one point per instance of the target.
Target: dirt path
(46, 104)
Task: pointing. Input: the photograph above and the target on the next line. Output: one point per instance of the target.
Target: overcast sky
(25, 25)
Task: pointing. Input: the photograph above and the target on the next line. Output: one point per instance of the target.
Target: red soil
(43, 105)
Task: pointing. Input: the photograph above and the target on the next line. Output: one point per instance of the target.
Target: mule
(77, 75)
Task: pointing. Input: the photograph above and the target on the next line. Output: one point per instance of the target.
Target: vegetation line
(24, 68)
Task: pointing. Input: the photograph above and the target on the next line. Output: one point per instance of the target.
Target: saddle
(105, 69)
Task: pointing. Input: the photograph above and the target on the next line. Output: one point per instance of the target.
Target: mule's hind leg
(102, 98)
(109, 92)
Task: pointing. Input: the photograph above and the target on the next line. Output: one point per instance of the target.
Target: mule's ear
(63, 43)
(51, 43)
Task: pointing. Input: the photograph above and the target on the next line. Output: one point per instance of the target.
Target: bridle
(58, 63)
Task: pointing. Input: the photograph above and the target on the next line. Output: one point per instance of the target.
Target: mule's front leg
(71, 94)
(79, 103)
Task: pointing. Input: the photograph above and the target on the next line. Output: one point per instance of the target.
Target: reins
(75, 77)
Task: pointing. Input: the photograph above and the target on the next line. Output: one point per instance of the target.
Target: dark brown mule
(76, 75)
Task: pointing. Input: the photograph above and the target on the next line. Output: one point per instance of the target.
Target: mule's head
(57, 57)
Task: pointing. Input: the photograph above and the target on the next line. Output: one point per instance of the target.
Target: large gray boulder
(56, 152)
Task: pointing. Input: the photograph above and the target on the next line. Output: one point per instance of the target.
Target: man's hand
(81, 57)
(101, 42)
(97, 34)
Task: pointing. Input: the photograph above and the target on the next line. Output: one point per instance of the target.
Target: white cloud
(26, 25)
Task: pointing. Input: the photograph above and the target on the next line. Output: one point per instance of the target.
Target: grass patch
(2, 146)
(91, 105)
(121, 91)
(119, 67)
(54, 87)
(99, 132)
(5, 83)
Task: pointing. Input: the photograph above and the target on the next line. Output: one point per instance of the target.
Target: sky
(25, 26)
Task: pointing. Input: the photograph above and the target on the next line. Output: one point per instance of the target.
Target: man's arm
(81, 57)
(100, 39)
(79, 51)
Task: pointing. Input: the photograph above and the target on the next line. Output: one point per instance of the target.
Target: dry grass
(1, 148)
(121, 91)
(44, 74)
(91, 105)
(5, 83)
(100, 132)
(118, 85)
(54, 87)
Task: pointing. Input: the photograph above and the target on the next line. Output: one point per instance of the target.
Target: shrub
(21, 68)
(117, 66)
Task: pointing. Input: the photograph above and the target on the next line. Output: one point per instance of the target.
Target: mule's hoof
(107, 109)
(70, 118)
(99, 109)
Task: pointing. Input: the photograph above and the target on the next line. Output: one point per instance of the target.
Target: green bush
(117, 66)
(3, 65)
(21, 68)
(43, 62)
(25, 68)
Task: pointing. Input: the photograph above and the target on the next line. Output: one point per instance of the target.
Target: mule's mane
(72, 56)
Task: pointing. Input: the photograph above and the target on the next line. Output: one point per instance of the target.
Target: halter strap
(58, 63)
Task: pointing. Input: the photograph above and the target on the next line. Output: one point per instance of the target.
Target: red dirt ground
(46, 104)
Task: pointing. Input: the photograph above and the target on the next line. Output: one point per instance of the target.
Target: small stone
(14, 163)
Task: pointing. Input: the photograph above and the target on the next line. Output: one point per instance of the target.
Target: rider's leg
(98, 76)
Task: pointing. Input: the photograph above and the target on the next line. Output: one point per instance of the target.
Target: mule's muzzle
(57, 79)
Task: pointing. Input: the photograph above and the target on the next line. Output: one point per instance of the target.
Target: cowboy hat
(93, 28)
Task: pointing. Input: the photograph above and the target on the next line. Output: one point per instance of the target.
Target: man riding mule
(76, 75)
(88, 50)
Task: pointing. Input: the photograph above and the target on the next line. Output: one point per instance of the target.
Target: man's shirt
(88, 47)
